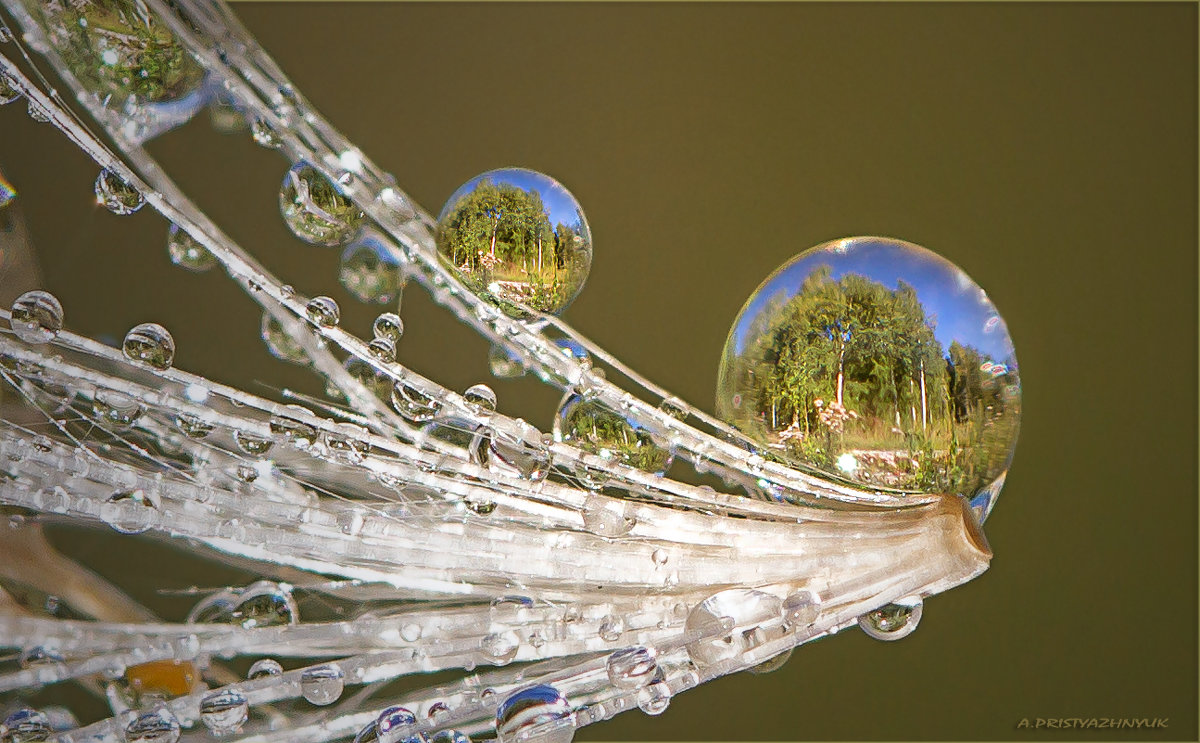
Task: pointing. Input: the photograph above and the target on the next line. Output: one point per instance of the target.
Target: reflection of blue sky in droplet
(561, 206)
(961, 308)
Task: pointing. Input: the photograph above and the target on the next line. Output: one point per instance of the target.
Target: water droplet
(504, 365)
(349, 442)
(449, 736)
(224, 711)
(413, 404)
(481, 397)
(370, 271)
(299, 433)
(383, 349)
(606, 517)
(192, 426)
(8, 91)
(500, 647)
(594, 428)
(315, 209)
(246, 473)
(280, 344)
(251, 444)
(263, 668)
(611, 628)
(848, 371)
(323, 311)
(632, 668)
(538, 714)
(659, 556)
(37, 317)
(500, 452)
(388, 325)
(131, 511)
(25, 726)
(410, 632)
(187, 252)
(159, 726)
(116, 195)
(734, 622)
(801, 609)
(480, 507)
(893, 621)
(395, 725)
(116, 409)
(151, 345)
(261, 604)
(674, 407)
(516, 236)
(322, 685)
(655, 698)
(264, 135)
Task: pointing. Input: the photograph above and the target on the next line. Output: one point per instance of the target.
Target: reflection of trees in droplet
(850, 365)
(594, 428)
(499, 238)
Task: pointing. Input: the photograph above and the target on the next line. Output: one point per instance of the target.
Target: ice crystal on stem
(563, 571)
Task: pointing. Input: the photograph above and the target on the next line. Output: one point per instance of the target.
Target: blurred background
(1047, 149)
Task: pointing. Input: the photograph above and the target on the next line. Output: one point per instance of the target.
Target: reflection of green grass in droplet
(115, 50)
(596, 429)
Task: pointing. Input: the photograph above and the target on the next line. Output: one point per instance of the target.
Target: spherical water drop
(151, 345)
(297, 432)
(370, 271)
(323, 311)
(801, 609)
(500, 647)
(538, 714)
(159, 726)
(263, 668)
(632, 668)
(500, 452)
(733, 623)
(594, 428)
(251, 444)
(280, 343)
(187, 252)
(481, 397)
(413, 404)
(611, 628)
(261, 604)
(395, 725)
(25, 726)
(224, 711)
(894, 621)
(388, 326)
(654, 699)
(877, 362)
(37, 317)
(322, 685)
(449, 736)
(383, 349)
(349, 442)
(131, 511)
(116, 195)
(516, 238)
(116, 409)
(315, 209)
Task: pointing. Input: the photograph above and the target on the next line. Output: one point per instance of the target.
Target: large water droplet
(263, 668)
(370, 271)
(280, 343)
(37, 317)
(516, 236)
(538, 714)
(875, 361)
(224, 711)
(25, 726)
(116, 195)
(480, 397)
(632, 668)
(322, 685)
(388, 326)
(734, 622)
(323, 311)
(185, 251)
(893, 621)
(396, 725)
(131, 511)
(594, 428)
(149, 344)
(315, 209)
(116, 410)
(159, 726)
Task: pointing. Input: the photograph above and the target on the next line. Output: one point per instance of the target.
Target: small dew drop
(388, 326)
(323, 311)
(149, 344)
(37, 317)
(481, 397)
(322, 685)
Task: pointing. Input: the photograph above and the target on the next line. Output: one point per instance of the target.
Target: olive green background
(1048, 149)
